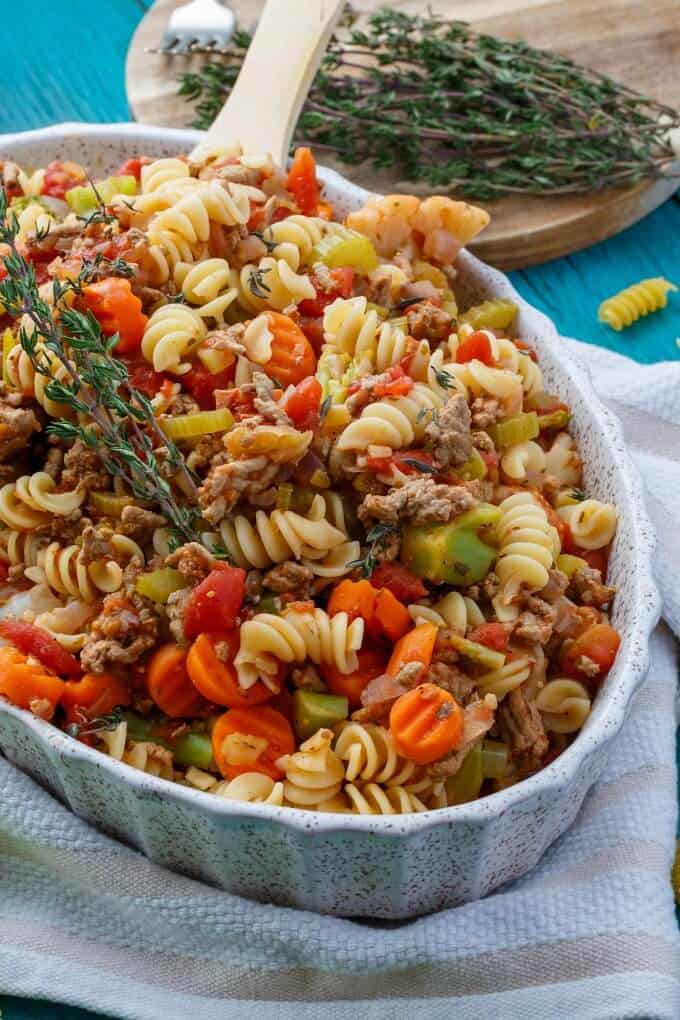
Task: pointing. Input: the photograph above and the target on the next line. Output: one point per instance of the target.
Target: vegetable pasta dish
(280, 521)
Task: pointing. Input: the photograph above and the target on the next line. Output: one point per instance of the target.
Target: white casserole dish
(385, 867)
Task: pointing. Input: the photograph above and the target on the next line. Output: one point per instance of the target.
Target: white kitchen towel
(590, 933)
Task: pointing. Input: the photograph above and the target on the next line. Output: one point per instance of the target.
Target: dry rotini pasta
(626, 307)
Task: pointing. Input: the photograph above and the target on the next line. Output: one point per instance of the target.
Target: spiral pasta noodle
(63, 570)
(195, 207)
(371, 799)
(370, 754)
(564, 705)
(394, 422)
(314, 773)
(22, 376)
(506, 678)
(293, 238)
(272, 284)
(563, 460)
(591, 522)
(626, 307)
(454, 612)
(253, 788)
(267, 640)
(171, 331)
(208, 284)
(528, 546)
(160, 172)
(524, 461)
(28, 502)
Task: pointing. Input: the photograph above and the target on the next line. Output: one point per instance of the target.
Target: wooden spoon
(264, 105)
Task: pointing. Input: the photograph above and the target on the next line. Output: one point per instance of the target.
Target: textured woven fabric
(590, 933)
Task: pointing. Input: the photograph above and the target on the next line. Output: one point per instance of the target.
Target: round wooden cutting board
(634, 41)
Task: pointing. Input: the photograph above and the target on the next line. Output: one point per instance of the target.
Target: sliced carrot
(426, 723)
(356, 598)
(292, 358)
(372, 663)
(94, 694)
(169, 685)
(215, 678)
(27, 684)
(391, 615)
(415, 646)
(251, 740)
(302, 182)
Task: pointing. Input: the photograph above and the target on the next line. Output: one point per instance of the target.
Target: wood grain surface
(635, 42)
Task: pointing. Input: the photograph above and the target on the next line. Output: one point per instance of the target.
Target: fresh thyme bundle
(111, 416)
(441, 104)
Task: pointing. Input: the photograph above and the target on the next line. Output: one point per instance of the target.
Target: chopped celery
(313, 711)
(284, 496)
(109, 504)
(9, 340)
(346, 247)
(556, 420)
(472, 468)
(112, 186)
(81, 199)
(269, 604)
(569, 564)
(139, 728)
(84, 197)
(494, 759)
(202, 423)
(467, 782)
(475, 652)
(497, 313)
(451, 553)
(519, 429)
(158, 585)
(215, 361)
(379, 310)
(194, 749)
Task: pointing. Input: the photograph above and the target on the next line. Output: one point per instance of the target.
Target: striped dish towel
(590, 933)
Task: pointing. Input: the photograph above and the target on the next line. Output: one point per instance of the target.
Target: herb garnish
(100, 724)
(120, 425)
(378, 539)
(446, 106)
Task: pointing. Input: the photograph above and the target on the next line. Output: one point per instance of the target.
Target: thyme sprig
(441, 104)
(377, 540)
(111, 417)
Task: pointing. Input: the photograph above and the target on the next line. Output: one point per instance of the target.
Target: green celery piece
(313, 711)
(125, 185)
(569, 564)
(269, 604)
(555, 420)
(346, 247)
(519, 429)
(472, 468)
(476, 652)
(451, 553)
(494, 759)
(467, 782)
(81, 199)
(139, 728)
(194, 749)
(158, 585)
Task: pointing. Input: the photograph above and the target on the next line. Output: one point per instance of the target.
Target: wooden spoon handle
(264, 104)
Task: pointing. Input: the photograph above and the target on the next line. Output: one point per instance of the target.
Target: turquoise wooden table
(66, 62)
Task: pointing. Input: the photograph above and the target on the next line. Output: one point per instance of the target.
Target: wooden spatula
(264, 105)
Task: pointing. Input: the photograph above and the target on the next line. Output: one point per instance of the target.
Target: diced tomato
(313, 330)
(404, 585)
(398, 385)
(256, 221)
(599, 644)
(61, 177)
(4, 570)
(302, 182)
(142, 376)
(408, 461)
(215, 603)
(343, 280)
(477, 347)
(493, 635)
(302, 406)
(133, 167)
(202, 384)
(241, 405)
(38, 642)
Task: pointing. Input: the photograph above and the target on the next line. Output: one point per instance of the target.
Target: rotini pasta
(314, 774)
(506, 678)
(524, 462)
(563, 460)
(454, 611)
(170, 333)
(208, 284)
(564, 705)
(591, 522)
(253, 788)
(370, 755)
(272, 284)
(626, 307)
(528, 547)
(394, 422)
(28, 502)
(22, 375)
(372, 799)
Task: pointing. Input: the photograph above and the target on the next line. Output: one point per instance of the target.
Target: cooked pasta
(298, 527)
(626, 307)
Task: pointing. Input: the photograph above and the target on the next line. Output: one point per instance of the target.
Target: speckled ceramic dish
(387, 867)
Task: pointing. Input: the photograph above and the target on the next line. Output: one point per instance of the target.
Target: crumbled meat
(180, 403)
(307, 678)
(451, 679)
(419, 290)
(17, 425)
(264, 401)
(193, 561)
(427, 321)
(556, 586)
(253, 589)
(203, 453)
(59, 239)
(521, 726)
(54, 462)
(449, 765)
(83, 465)
(485, 411)
(483, 442)
(535, 623)
(323, 278)
(126, 628)
(420, 500)
(586, 587)
(377, 288)
(290, 578)
(377, 712)
(587, 666)
(151, 297)
(140, 524)
(65, 529)
(229, 339)
(356, 402)
(449, 433)
(97, 544)
(175, 609)
(253, 479)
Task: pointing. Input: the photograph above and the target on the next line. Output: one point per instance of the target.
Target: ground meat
(378, 712)
(420, 500)
(193, 561)
(521, 726)
(265, 403)
(419, 290)
(452, 679)
(180, 403)
(556, 586)
(97, 544)
(54, 462)
(483, 442)
(307, 678)
(253, 479)
(175, 609)
(290, 578)
(587, 666)
(377, 288)
(586, 588)
(253, 585)
(229, 339)
(140, 524)
(65, 529)
(427, 321)
(449, 433)
(17, 425)
(535, 623)
(449, 765)
(83, 465)
(485, 411)
(126, 628)
(323, 279)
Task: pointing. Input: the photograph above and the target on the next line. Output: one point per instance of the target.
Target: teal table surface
(66, 63)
